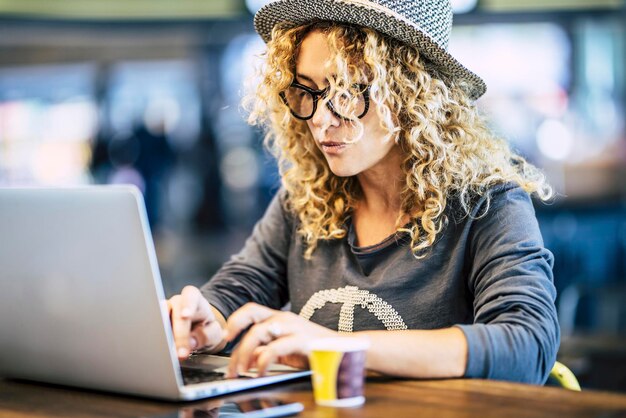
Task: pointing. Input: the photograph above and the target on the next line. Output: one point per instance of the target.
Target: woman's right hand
(195, 323)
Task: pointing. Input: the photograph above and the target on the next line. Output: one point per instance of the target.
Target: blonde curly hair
(449, 150)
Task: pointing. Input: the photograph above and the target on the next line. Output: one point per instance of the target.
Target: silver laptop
(81, 300)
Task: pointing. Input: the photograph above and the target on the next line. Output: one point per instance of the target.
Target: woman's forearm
(417, 353)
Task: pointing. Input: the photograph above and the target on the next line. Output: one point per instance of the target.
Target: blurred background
(148, 92)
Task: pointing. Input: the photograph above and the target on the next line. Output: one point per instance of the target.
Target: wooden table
(385, 398)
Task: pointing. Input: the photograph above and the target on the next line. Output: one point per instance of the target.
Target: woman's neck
(382, 186)
(378, 213)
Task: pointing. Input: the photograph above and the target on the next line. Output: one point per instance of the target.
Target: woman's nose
(323, 116)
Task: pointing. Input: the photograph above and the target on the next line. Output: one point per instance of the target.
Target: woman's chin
(343, 171)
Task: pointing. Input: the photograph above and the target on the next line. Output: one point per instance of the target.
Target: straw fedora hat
(425, 24)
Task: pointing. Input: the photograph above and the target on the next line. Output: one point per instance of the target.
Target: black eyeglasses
(302, 101)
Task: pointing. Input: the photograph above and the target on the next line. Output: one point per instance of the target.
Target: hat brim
(298, 12)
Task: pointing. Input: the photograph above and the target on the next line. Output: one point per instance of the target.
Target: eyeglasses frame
(316, 94)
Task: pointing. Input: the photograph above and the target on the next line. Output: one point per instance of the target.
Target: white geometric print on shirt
(349, 297)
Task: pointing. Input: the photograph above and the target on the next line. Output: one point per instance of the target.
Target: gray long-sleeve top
(489, 275)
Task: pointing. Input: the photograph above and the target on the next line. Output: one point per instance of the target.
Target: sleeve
(258, 272)
(515, 334)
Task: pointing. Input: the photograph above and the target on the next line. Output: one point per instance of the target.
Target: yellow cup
(338, 366)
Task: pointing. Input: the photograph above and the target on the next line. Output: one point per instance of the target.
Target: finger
(187, 308)
(240, 358)
(207, 335)
(242, 318)
(274, 351)
(259, 335)
(181, 325)
(199, 308)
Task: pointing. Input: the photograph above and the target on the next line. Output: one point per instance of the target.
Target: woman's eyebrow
(309, 79)
(305, 78)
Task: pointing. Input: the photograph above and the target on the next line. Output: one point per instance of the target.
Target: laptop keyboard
(197, 375)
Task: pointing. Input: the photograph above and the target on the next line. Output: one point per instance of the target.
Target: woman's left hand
(274, 337)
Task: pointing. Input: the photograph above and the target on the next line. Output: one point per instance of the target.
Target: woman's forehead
(315, 60)
(314, 47)
(314, 57)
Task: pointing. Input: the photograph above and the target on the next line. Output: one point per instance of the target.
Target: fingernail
(185, 312)
(183, 352)
(193, 343)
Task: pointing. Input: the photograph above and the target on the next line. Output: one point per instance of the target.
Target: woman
(402, 218)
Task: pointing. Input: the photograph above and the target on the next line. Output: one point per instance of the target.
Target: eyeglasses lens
(348, 105)
(299, 101)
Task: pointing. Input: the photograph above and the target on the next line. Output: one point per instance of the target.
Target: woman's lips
(333, 148)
